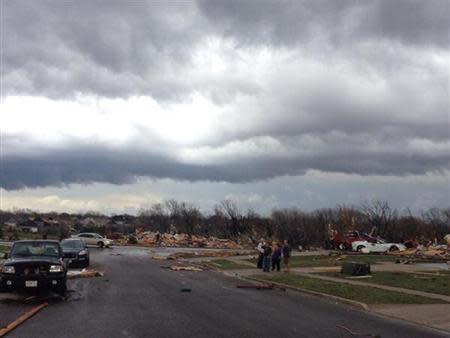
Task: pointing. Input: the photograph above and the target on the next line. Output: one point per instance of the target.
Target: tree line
(306, 228)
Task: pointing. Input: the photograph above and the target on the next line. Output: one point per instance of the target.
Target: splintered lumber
(11, 326)
(184, 268)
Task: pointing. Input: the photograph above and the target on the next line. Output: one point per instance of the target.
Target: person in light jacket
(260, 250)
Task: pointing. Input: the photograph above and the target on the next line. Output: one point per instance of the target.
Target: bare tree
(379, 214)
(231, 211)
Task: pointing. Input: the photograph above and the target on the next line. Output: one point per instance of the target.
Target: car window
(71, 244)
(35, 249)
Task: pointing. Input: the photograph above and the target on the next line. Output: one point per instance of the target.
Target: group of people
(270, 255)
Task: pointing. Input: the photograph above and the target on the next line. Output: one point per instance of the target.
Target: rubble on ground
(85, 273)
(149, 238)
(184, 268)
(197, 254)
(435, 251)
(447, 239)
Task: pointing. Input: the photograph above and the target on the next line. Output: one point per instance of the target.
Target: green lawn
(427, 282)
(225, 264)
(326, 260)
(4, 248)
(365, 294)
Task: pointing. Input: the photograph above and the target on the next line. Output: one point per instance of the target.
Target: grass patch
(427, 282)
(224, 264)
(365, 294)
(326, 260)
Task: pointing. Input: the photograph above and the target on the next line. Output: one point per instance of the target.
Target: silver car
(94, 239)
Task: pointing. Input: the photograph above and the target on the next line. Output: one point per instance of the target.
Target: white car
(94, 239)
(379, 246)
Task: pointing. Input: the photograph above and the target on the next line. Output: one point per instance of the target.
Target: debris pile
(198, 254)
(148, 238)
(447, 239)
(435, 251)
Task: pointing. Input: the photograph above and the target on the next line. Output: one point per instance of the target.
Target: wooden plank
(11, 326)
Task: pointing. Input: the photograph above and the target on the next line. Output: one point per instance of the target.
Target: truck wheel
(359, 248)
(393, 248)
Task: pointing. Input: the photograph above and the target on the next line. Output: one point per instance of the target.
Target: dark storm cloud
(88, 164)
(341, 21)
(350, 86)
(117, 48)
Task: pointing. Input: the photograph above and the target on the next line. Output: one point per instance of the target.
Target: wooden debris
(84, 274)
(11, 326)
(184, 268)
(256, 286)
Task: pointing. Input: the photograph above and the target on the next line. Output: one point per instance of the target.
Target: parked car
(94, 239)
(344, 242)
(379, 246)
(75, 251)
(34, 265)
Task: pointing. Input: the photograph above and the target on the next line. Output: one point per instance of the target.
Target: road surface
(138, 298)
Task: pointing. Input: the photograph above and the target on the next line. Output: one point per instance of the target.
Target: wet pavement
(137, 298)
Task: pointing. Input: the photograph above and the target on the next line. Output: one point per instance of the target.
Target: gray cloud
(350, 86)
(341, 22)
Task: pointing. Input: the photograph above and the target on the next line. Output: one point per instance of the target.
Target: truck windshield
(35, 249)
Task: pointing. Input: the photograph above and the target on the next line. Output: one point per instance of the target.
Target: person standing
(267, 257)
(286, 251)
(260, 250)
(276, 257)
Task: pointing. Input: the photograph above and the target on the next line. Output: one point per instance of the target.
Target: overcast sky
(114, 105)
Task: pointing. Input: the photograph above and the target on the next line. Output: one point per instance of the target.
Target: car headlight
(82, 253)
(56, 268)
(8, 269)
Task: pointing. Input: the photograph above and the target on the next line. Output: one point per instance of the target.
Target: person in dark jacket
(286, 251)
(267, 257)
(276, 257)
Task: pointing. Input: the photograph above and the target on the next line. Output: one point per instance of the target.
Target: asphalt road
(137, 298)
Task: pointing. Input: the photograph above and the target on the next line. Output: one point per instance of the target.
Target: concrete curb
(350, 302)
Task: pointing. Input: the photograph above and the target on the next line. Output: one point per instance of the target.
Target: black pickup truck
(34, 266)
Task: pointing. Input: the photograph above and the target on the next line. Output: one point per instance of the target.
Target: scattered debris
(184, 268)
(85, 273)
(11, 326)
(430, 252)
(447, 239)
(197, 254)
(405, 261)
(148, 238)
(256, 286)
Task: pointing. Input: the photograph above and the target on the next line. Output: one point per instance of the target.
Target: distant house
(29, 229)
(11, 224)
(31, 225)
